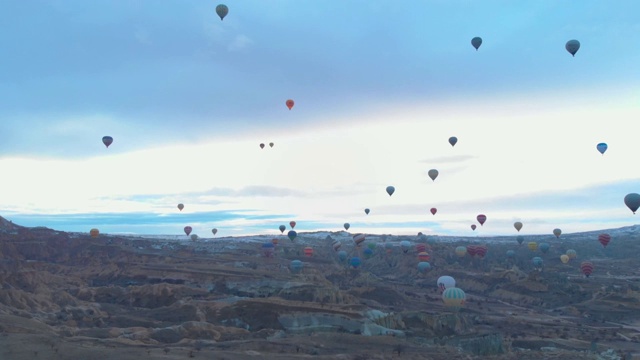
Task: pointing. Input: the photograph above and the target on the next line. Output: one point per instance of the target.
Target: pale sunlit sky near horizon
(379, 88)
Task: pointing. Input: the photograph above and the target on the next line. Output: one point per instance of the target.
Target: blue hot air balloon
(602, 147)
(424, 266)
(296, 266)
(355, 262)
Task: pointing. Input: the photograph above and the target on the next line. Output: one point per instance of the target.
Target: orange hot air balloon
(424, 256)
(180, 207)
(290, 103)
(292, 224)
(94, 233)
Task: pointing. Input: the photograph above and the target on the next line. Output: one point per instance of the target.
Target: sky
(379, 88)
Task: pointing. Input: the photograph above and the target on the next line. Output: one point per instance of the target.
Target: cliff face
(74, 292)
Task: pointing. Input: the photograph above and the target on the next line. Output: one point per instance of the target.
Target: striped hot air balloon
(308, 251)
(572, 254)
(481, 251)
(604, 239)
(453, 298)
(421, 248)
(424, 256)
(586, 267)
(471, 249)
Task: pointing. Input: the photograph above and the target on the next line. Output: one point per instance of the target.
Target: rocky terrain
(71, 296)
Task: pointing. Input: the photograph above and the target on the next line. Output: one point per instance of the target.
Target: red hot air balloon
(187, 230)
(481, 251)
(292, 224)
(481, 218)
(473, 227)
(424, 256)
(434, 211)
(290, 103)
(604, 239)
(471, 250)
(587, 268)
(308, 251)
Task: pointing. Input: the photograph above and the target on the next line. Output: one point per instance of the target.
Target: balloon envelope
(346, 226)
(94, 233)
(292, 224)
(572, 46)
(296, 266)
(214, 231)
(292, 234)
(632, 201)
(270, 144)
(445, 282)
(222, 11)
(187, 230)
(557, 232)
(453, 297)
(180, 207)
(481, 218)
(433, 174)
(261, 146)
(517, 225)
(476, 42)
(604, 239)
(453, 140)
(433, 211)
(282, 228)
(602, 147)
(424, 266)
(366, 211)
(390, 190)
(107, 140)
(564, 258)
(289, 103)
(473, 226)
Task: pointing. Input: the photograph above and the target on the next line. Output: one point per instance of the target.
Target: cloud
(239, 42)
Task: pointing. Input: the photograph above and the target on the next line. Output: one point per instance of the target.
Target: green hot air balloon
(453, 298)
(292, 234)
(632, 201)
(222, 10)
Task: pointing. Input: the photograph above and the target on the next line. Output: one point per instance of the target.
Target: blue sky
(379, 88)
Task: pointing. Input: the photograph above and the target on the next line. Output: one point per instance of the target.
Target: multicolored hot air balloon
(346, 226)
(604, 239)
(586, 267)
(421, 248)
(517, 225)
(94, 233)
(187, 230)
(602, 147)
(476, 42)
(572, 47)
(537, 261)
(274, 241)
(481, 251)
(445, 282)
(180, 207)
(405, 245)
(433, 211)
(107, 140)
(481, 219)
(572, 254)
(222, 10)
(453, 140)
(366, 211)
(632, 200)
(557, 232)
(461, 251)
(471, 250)
(390, 190)
(453, 298)
(424, 256)
(282, 228)
(337, 244)
(290, 104)
(292, 234)
(433, 174)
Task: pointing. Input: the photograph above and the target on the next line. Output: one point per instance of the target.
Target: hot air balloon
(267, 249)
(572, 254)
(180, 207)
(390, 190)
(308, 251)
(424, 266)
(453, 140)
(346, 226)
(433, 174)
(336, 245)
(564, 258)
(271, 144)
(366, 211)
(520, 239)
(461, 251)
(453, 298)
(214, 231)
(274, 241)
(424, 256)
(282, 228)
(557, 232)
(517, 225)
(94, 233)
(355, 262)
(604, 239)
(476, 42)
(290, 104)
(433, 211)
(194, 237)
(292, 235)
(292, 224)
(187, 230)
(296, 266)
(632, 200)
(533, 246)
(358, 239)
(544, 247)
(537, 261)
(405, 245)
(602, 147)
(572, 47)
(107, 140)
(222, 11)
(446, 282)
(481, 251)
(586, 267)
(388, 247)
(371, 246)
(421, 248)
(471, 250)
(367, 253)
(473, 227)
(342, 255)
(511, 253)
(261, 145)
(481, 219)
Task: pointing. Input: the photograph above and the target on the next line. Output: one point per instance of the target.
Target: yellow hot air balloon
(564, 258)
(453, 298)
(533, 246)
(94, 233)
